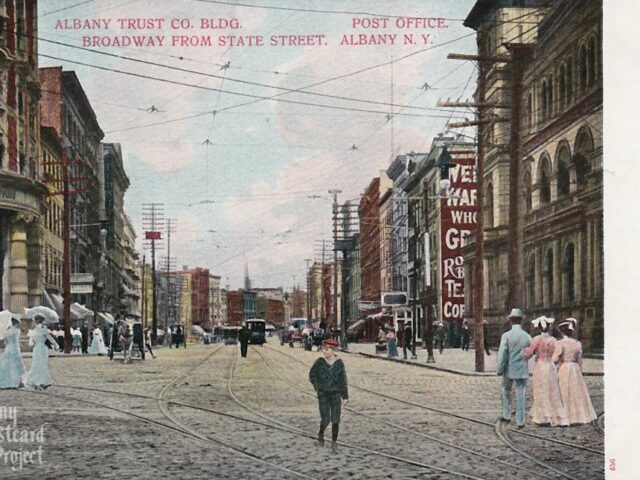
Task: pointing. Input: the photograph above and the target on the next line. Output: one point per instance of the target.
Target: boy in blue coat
(329, 379)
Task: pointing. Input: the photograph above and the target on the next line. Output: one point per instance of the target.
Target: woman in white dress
(38, 376)
(97, 344)
(11, 364)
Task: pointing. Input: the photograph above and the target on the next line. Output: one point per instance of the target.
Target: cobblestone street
(205, 412)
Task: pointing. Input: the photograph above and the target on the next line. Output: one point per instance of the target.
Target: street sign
(152, 235)
(392, 299)
(82, 288)
(365, 305)
(344, 245)
(82, 278)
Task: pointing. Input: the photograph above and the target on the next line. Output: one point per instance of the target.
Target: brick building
(235, 308)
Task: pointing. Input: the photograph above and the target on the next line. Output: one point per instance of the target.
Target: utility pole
(309, 320)
(429, 292)
(170, 228)
(478, 280)
(520, 53)
(153, 222)
(66, 240)
(482, 122)
(144, 292)
(336, 308)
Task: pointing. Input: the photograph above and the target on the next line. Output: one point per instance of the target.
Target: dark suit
(84, 330)
(243, 336)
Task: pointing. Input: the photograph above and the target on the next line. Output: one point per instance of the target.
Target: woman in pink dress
(547, 405)
(575, 395)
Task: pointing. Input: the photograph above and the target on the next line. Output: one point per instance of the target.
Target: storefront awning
(359, 324)
(80, 312)
(107, 317)
(197, 330)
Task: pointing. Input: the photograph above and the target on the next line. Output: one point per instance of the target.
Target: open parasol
(50, 316)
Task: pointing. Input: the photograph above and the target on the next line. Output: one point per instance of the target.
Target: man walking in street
(244, 340)
(466, 335)
(513, 367)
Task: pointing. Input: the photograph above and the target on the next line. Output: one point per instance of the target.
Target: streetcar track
(300, 432)
(598, 423)
(179, 426)
(504, 437)
(452, 414)
(399, 427)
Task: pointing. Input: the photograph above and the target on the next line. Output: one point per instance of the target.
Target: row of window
(559, 89)
(570, 174)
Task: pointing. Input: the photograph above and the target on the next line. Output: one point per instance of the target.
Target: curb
(449, 370)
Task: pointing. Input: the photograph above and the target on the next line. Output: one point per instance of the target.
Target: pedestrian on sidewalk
(513, 367)
(76, 341)
(147, 339)
(39, 376)
(329, 379)
(440, 337)
(11, 364)
(243, 335)
(573, 388)
(392, 346)
(408, 340)
(485, 336)
(84, 331)
(97, 344)
(466, 336)
(547, 408)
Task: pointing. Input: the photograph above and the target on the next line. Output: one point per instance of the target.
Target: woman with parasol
(11, 364)
(38, 376)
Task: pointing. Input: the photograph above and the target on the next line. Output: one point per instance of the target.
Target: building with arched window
(557, 267)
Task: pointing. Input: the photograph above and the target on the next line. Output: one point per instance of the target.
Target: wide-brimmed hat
(331, 343)
(515, 313)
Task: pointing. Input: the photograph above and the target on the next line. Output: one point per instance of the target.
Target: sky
(243, 184)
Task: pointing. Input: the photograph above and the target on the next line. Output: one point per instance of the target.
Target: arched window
(545, 182)
(569, 273)
(543, 100)
(550, 97)
(563, 159)
(548, 278)
(530, 110)
(531, 282)
(582, 149)
(582, 65)
(488, 206)
(562, 87)
(593, 61)
(569, 81)
(527, 188)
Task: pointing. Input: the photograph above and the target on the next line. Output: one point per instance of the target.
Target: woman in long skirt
(547, 405)
(575, 394)
(392, 345)
(38, 376)
(11, 364)
(97, 344)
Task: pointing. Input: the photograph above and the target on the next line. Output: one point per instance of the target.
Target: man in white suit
(513, 367)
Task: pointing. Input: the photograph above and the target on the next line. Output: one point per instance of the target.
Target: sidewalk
(455, 360)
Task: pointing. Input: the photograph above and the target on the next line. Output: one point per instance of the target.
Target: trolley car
(256, 328)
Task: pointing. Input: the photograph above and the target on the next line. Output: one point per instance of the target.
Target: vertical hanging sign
(458, 213)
